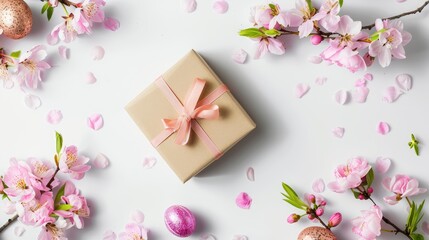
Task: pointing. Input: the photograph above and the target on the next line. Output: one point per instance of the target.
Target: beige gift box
(150, 106)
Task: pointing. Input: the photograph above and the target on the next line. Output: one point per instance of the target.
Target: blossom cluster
(29, 187)
(349, 45)
(134, 229)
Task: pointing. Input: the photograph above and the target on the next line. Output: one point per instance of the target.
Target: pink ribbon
(188, 113)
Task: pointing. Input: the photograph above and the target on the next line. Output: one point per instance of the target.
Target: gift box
(190, 116)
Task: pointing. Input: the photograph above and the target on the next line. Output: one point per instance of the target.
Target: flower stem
(65, 9)
(68, 3)
(312, 212)
(408, 200)
(9, 222)
(49, 185)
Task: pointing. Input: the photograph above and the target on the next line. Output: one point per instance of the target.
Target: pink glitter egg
(179, 221)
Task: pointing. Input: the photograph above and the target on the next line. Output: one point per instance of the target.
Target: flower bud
(319, 212)
(361, 197)
(316, 39)
(323, 203)
(370, 190)
(293, 218)
(335, 219)
(311, 216)
(312, 198)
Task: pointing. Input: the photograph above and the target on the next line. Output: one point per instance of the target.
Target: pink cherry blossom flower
(306, 22)
(330, 10)
(37, 212)
(283, 18)
(74, 164)
(31, 66)
(64, 31)
(350, 176)
(368, 225)
(79, 209)
(271, 45)
(53, 3)
(261, 16)
(93, 10)
(402, 186)
(19, 178)
(42, 172)
(111, 24)
(335, 219)
(133, 231)
(80, 23)
(52, 232)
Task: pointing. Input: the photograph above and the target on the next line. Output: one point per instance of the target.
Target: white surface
(292, 143)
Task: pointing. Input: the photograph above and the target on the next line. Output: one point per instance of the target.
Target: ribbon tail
(184, 133)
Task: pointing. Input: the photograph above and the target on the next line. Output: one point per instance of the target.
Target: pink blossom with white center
(80, 23)
(72, 163)
(53, 231)
(93, 10)
(261, 16)
(31, 66)
(368, 225)
(330, 10)
(351, 60)
(77, 212)
(283, 18)
(402, 186)
(63, 31)
(43, 172)
(37, 212)
(133, 231)
(350, 176)
(271, 45)
(306, 19)
(18, 178)
(53, 3)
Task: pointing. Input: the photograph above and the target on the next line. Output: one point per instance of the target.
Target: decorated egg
(179, 221)
(15, 18)
(316, 233)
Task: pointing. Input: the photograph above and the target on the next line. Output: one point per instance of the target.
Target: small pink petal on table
(8, 84)
(98, 53)
(404, 82)
(360, 94)
(301, 89)
(368, 77)
(425, 227)
(239, 237)
(149, 162)
(18, 231)
(391, 94)
(220, 6)
(315, 59)
(341, 97)
(32, 101)
(321, 80)
(90, 78)
(137, 217)
(111, 24)
(243, 200)
(382, 164)
(100, 161)
(189, 5)
(95, 121)
(360, 83)
(109, 235)
(383, 128)
(251, 174)
(338, 132)
(64, 52)
(239, 56)
(207, 236)
(318, 186)
(54, 117)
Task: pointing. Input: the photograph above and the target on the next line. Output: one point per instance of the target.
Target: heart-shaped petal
(100, 161)
(341, 97)
(137, 217)
(95, 121)
(189, 5)
(19, 231)
(54, 117)
(368, 77)
(98, 53)
(383, 128)
(239, 56)
(318, 186)
(404, 82)
(338, 132)
(109, 235)
(382, 164)
(111, 24)
(360, 83)
(64, 52)
(243, 200)
(32, 101)
(360, 94)
(207, 236)
(90, 78)
(391, 94)
(149, 162)
(321, 80)
(239, 237)
(301, 89)
(315, 59)
(220, 6)
(251, 174)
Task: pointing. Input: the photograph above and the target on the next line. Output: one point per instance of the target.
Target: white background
(292, 143)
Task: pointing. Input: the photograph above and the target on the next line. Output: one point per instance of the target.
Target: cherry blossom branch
(49, 185)
(320, 220)
(9, 222)
(68, 3)
(418, 10)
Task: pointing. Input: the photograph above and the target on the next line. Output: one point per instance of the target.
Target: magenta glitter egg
(179, 221)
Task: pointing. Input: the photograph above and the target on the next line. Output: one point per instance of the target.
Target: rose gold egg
(15, 18)
(316, 233)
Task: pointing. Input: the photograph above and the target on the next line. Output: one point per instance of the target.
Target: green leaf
(341, 2)
(356, 194)
(289, 191)
(45, 7)
(15, 54)
(295, 204)
(272, 32)
(4, 196)
(273, 7)
(310, 5)
(416, 149)
(251, 33)
(60, 193)
(50, 12)
(370, 177)
(417, 236)
(64, 207)
(59, 142)
(415, 216)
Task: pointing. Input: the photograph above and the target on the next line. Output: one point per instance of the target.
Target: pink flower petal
(360, 83)
(425, 227)
(32, 101)
(319, 186)
(301, 89)
(338, 132)
(404, 82)
(137, 217)
(220, 6)
(243, 200)
(251, 174)
(100, 161)
(383, 128)
(321, 80)
(240, 237)
(382, 164)
(98, 53)
(189, 5)
(149, 162)
(239, 56)
(315, 59)
(8, 84)
(95, 122)
(360, 94)
(391, 94)
(109, 235)
(54, 117)
(341, 97)
(19, 231)
(207, 236)
(111, 24)
(368, 77)
(64, 52)
(90, 78)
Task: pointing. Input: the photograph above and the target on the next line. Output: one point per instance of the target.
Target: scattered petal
(90, 78)
(207, 236)
(251, 174)
(382, 164)
(137, 216)
(404, 82)
(360, 94)
(341, 97)
(220, 6)
(391, 94)
(243, 200)
(360, 83)
(64, 52)
(368, 77)
(338, 132)
(109, 235)
(425, 227)
(54, 117)
(100, 161)
(189, 5)
(8, 84)
(239, 56)
(98, 53)
(32, 101)
(19, 231)
(301, 89)
(149, 162)
(95, 122)
(321, 80)
(111, 24)
(383, 128)
(315, 59)
(319, 186)
(240, 237)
